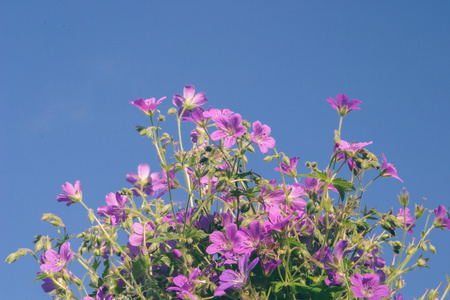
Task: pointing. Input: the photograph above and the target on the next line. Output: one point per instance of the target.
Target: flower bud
(286, 160)
(432, 249)
(433, 295)
(208, 148)
(48, 245)
(314, 164)
(39, 246)
(419, 211)
(308, 164)
(424, 246)
(161, 118)
(410, 250)
(172, 111)
(268, 158)
(245, 208)
(91, 216)
(422, 262)
(404, 198)
(251, 149)
(397, 246)
(365, 165)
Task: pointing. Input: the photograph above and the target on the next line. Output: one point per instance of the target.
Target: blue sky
(69, 69)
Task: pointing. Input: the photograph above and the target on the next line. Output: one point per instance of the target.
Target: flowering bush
(234, 233)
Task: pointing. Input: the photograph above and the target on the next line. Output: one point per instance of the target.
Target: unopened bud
(308, 164)
(161, 118)
(245, 208)
(314, 164)
(422, 262)
(172, 111)
(419, 211)
(48, 245)
(251, 149)
(365, 165)
(268, 158)
(208, 148)
(286, 160)
(91, 216)
(404, 198)
(432, 249)
(39, 246)
(410, 250)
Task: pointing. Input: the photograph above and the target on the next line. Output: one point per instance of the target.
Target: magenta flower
(342, 105)
(189, 100)
(352, 149)
(368, 287)
(388, 170)
(251, 238)
(100, 295)
(272, 200)
(229, 130)
(213, 113)
(144, 180)
(54, 262)
(291, 169)
(230, 278)
(441, 221)
(405, 218)
(115, 209)
(147, 106)
(185, 287)
(137, 238)
(73, 193)
(260, 136)
(224, 243)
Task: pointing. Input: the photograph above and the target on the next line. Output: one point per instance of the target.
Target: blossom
(147, 106)
(115, 209)
(73, 193)
(185, 286)
(251, 237)
(291, 169)
(137, 238)
(368, 287)
(261, 137)
(229, 129)
(100, 295)
(230, 278)
(342, 105)
(213, 113)
(189, 100)
(143, 179)
(54, 262)
(405, 218)
(441, 221)
(388, 170)
(224, 243)
(352, 149)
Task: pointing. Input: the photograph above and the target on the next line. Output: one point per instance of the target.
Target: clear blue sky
(69, 68)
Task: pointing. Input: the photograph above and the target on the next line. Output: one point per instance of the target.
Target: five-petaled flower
(342, 105)
(147, 106)
(55, 262)
(229, 129)
(73, 193)
(189, 100)
(115, 208)
(260, 136)
(291, 169)
(441, 221)
(368, 287)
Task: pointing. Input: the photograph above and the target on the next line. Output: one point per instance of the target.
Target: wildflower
(368, 287)
(54, 262)
(272, 200)
(230, 278)
(342, 105)
(229, 129)
(137, 238)
(352, 149)
(261, 137)
(189, 100)
(147, 106)
(251, 238)
(115, 209)
(73, 193)
(163, 183)
(213, 113)
(441, 221)
(224, 243)
(100, 295)
(404, 217)
(185, 286)
(388, 170)
(144, 180)
(291, 169)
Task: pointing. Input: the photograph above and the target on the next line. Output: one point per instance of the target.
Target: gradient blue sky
(69, 68)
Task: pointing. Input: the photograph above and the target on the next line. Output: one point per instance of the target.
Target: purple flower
(49, 285)
(368, 287)
(441, 221)
(54, 262)
(163, 183)
(229, 129)
(189, 100)
(213, 113)
(115, 209)
(261, 137)
(137, 238)
(352, 149)
(100, 295)
(250, 238)
(224, 243)
(147, 106)
(388, 170)
(143, 179)
(230, 278)
(342, 105)
(291, 169)
(185, 286)
(73, 193)
(272, 200)
(405, 218)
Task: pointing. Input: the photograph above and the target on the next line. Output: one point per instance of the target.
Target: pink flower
(261, 137)
(388, 170)
(55, 262)
(147, 106)
(342, 105)
(368, 287)
(73, 193)
(189, 100)
(229, 130)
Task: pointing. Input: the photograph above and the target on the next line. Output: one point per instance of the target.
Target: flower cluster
(238, 234)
